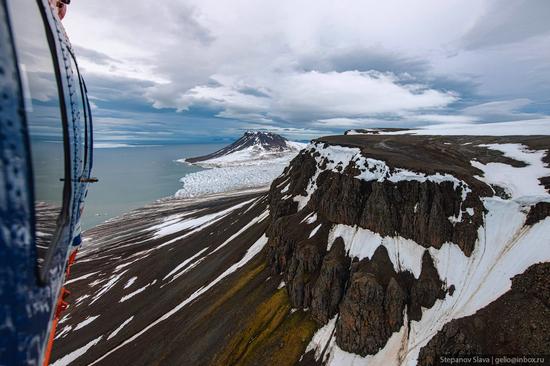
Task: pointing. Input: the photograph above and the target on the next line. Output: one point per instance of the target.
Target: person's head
(60, 6)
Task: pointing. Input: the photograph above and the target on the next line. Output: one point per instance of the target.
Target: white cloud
(442, 118)
(502, 110)
(346, 122)
(315, 95)
(307, 62)
(404, 120)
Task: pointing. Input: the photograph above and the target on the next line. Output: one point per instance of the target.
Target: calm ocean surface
(130, 177)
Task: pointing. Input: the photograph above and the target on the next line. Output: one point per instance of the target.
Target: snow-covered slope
(254, 160)
(506, 244)
(367, 250)
(253, 148)
(395, 237)
(514, 128)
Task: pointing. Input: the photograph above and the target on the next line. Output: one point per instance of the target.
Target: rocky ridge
(338, 181)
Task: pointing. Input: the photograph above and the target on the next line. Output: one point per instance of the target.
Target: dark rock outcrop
(373, 306)
(362, 326)
(515, 323)
(331, 283)
(394, 302)
(370, 296)
(371, 299)
(302, 268)
(537, 213)
(426, 290)
(414, 210)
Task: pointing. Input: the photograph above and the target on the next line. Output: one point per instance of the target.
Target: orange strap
(60, 307)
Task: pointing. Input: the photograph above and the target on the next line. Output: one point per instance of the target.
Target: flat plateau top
(445, 154)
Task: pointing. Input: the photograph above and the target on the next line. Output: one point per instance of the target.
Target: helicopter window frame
(89, 156)
(86, 112)
(63, 218)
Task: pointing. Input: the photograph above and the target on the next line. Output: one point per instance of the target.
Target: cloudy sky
(205, 70)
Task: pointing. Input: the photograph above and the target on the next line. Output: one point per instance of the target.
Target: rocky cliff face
(369, 294)
(417, 210)
(512, 323)
(356, 238)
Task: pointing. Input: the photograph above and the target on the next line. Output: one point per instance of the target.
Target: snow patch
(321, 338)
(109, 285)
(64, 332)
(256, 220)
(405, 254)
(310, 219)
(69, 358)
(518, 182)
(117, 330)
(81, 277)
(139, 290)
(80, 299)
(130, 282)
(86, 322)
(184, 264)
(314, 231)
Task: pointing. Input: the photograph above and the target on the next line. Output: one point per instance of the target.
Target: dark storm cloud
(365, 60)
(94, 56)
(507, 22)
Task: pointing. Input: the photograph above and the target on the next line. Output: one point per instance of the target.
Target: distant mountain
(252, 161)
(252, 148)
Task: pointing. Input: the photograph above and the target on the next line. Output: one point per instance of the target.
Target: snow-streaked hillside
(254, 160)
(367, 250)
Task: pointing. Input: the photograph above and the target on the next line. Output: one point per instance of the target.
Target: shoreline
(182, 202)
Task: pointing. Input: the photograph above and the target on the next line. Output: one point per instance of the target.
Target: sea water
(131, 177)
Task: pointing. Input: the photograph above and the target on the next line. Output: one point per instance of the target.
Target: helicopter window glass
(80, 114)
(88, 130)
(44, 120)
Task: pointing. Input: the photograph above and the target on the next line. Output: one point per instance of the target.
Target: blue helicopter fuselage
(45, 166)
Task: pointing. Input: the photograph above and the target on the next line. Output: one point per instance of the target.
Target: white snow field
(539, 126)
(218, 180)
(513, 179)
(250, 167)
(505, 248)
